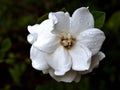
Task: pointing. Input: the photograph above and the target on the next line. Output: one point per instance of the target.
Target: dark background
(16, 72)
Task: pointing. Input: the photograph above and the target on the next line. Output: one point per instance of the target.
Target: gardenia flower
(66, 47)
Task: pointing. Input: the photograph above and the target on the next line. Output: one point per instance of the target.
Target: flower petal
(46, 41)
(31, 38)
(68, 77)
(38, 28)
(34, 29)
(62, 22)
(81, 20)
(38, 59)
(95, 61)
(92, 38)
(81, 57)
(60, 61)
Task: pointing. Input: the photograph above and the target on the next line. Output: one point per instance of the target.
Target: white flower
(66, 47)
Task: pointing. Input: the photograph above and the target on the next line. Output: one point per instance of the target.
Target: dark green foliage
(99, 18)
(16, 72)
(6, 45)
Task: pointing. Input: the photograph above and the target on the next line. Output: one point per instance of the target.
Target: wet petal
(68, 77)
(81, 20)
(38, 59)
(62, 22)
(81, 57)
(60, 61)
(92, 38)
(46, 41)
(95, 61)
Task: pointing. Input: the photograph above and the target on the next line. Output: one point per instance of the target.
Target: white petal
(60, 61)
(96, 59)
(81, 20)
(34, 29)
(92, 38)
(46, 41)
(32, 38)
(38, 28)
(68, 77)
(95, 62)
(53, 18)
(62, 22)
(81, 57)
(38, 59)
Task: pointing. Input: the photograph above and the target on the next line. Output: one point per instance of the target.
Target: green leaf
(42, 87)
(42, 18)
(45, 16)
(23, 21)
(17, 71)
(64, 10)
(99, 18)
(10, 61)
(2, 54)
(6, 45)
(114, 22)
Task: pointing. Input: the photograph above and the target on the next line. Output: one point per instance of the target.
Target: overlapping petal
(68, 77)
(34, 29)
(95, 61)
(60, 61)
(77, 78)
(92, 38)
(38, 28)
(38, 58)
(31, 38)
(62, 22)
(81, 58)
(46, 41)
(81, 20)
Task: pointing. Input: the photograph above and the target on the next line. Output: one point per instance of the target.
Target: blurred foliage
(15, 65)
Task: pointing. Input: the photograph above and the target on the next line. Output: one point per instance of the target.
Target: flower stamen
(67, 41)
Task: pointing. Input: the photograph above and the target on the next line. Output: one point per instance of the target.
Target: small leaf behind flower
(42, 18)
(45, 16)
(99, 18)
(64, 9)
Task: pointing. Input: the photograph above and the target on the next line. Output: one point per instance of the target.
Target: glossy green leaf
(99, 18)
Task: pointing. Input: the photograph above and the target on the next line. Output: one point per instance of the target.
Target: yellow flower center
(67, 40)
